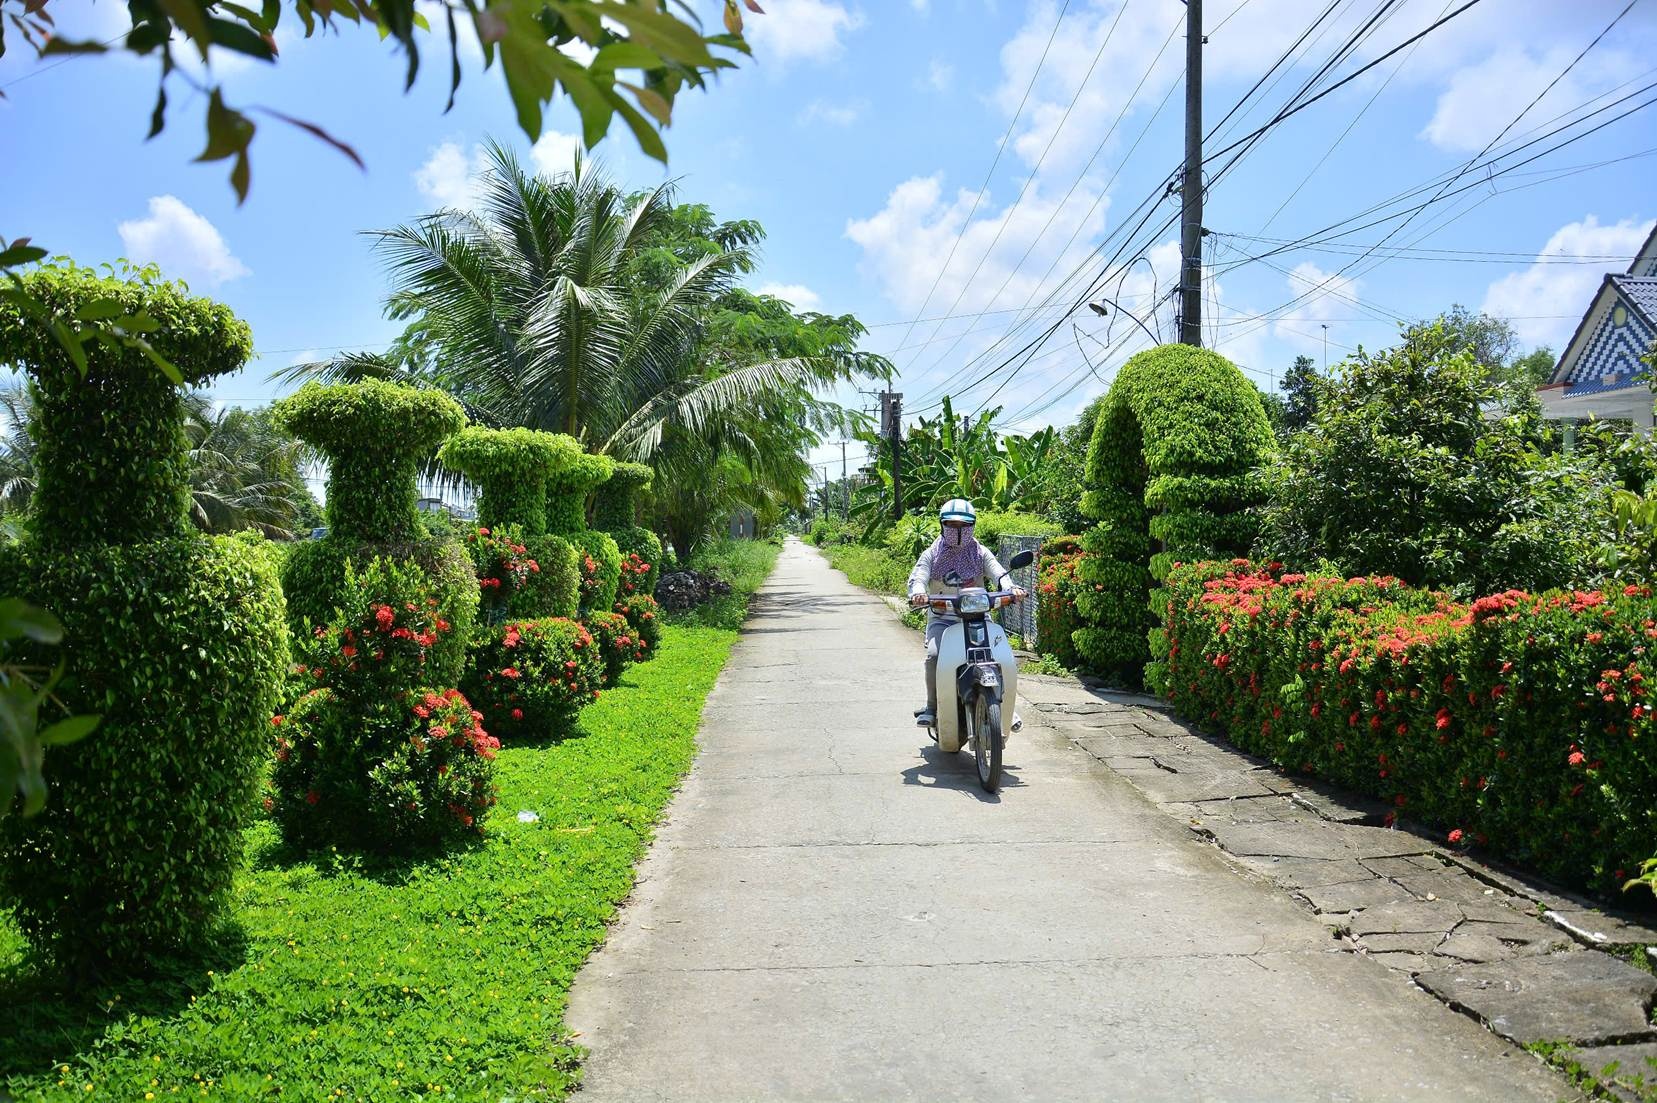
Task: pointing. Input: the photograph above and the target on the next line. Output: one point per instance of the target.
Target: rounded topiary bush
(617, 643)
(177, 640)
(510, 468)
(1171, 476)
(521, 577)
(429, 776)
(645, 617)
(616, 511)
(531, 678)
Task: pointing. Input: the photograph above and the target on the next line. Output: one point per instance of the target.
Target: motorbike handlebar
(945, 602)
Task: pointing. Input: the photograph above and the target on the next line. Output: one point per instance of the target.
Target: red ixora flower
(312, 796)
(384, 615)
(1456, 836)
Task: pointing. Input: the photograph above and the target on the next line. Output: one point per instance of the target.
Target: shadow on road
(941, 770)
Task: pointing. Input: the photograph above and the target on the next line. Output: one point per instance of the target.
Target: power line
(999, 149)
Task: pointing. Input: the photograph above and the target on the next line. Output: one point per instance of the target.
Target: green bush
(317, 579)
(568, 489)
(617, 644)
(616, 510)
(1518, 723)
(510, 468)
(1169, 477)
(522, 577)
(644, 615)
(598, 566)
(177, 640)
(827, 531)
(112, 459)
(1400, 472)
(910, 535)
(1057, 587)
(531, 678)
(375, 435)
(993, 525)
(413, 773)
(871, 568)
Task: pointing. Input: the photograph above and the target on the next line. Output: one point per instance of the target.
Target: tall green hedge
(616, 511)
(1171, 474)
(177, 639)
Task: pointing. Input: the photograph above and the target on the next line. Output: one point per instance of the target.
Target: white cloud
(940, 75)
(1551, 288)
(797, 295)
(834, 114)
(450, 176)
(554, 152)
(808, 30)
(182, 242)
(1480, 100)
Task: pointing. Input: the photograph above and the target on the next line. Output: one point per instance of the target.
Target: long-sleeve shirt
(991, 576)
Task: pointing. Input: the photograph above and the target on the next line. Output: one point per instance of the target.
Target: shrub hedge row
(1519, 723)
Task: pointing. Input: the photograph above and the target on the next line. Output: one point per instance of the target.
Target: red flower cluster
(1520, 719)
(633, 572)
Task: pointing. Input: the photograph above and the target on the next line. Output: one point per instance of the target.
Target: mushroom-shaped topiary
(375, 435)
(510, 468)
(616, 509)
(177, 639)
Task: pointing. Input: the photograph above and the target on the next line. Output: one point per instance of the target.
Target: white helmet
(958, 509)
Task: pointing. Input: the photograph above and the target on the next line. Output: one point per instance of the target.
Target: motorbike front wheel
(986, 742)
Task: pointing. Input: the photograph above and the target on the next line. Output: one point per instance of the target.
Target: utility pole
(1325, 348)
(1190, 276)
(845, 486)
(891, 423)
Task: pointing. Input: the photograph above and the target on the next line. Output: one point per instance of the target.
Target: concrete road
(833, 910)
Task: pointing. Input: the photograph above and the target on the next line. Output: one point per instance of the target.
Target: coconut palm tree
(244, 472)
(17, 448)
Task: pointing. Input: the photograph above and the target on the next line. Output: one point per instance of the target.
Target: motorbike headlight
(975, 601)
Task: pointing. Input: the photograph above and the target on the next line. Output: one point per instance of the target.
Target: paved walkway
(834, 910)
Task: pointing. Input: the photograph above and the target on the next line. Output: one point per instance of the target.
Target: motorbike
(976, 675)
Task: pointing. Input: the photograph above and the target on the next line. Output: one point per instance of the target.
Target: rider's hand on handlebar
(917, 600)
(1020, 593)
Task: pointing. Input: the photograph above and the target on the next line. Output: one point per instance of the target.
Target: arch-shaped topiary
(177, 639)
(567, 492)
(616, 511)
(1171, 474)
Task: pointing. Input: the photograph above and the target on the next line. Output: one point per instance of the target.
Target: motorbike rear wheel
(986, 742)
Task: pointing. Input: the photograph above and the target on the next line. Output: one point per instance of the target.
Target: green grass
(871, 568)
(445, 979)
(744, 564)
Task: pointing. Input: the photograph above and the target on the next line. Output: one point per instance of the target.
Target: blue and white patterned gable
(1610, 357)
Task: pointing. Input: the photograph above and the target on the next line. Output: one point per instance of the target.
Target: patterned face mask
(958, 553)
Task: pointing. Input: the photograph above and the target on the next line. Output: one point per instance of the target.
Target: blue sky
(859, 136)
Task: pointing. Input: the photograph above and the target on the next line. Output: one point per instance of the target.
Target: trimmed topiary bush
(530, 679)
(616, 511)
(598, 558)
(617, 644)
(178, 640)
(522, 577)
(430, 780)
(1171, 475)
(375, 435)
(510, 468)
(645, 617)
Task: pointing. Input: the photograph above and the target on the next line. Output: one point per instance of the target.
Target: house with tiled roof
(1600, 374)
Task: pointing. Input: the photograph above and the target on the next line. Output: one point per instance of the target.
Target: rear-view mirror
(1023, 559)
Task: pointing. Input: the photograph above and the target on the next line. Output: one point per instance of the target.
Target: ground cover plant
(1517, 723)
(442, 979)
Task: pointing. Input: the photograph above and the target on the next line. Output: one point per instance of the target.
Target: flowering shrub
(616, 511)
(522, 577)
(1169, 476)
(1516, 722)
(414, 773)
(531, 678)
(616, 643)
(382, 638)
(1056, 590)
(645, 618)
(635, 575)
(598, 563)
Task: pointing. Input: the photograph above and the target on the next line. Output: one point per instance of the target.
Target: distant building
(1600, 374)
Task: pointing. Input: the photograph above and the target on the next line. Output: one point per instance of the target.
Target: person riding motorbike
(956, 553)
